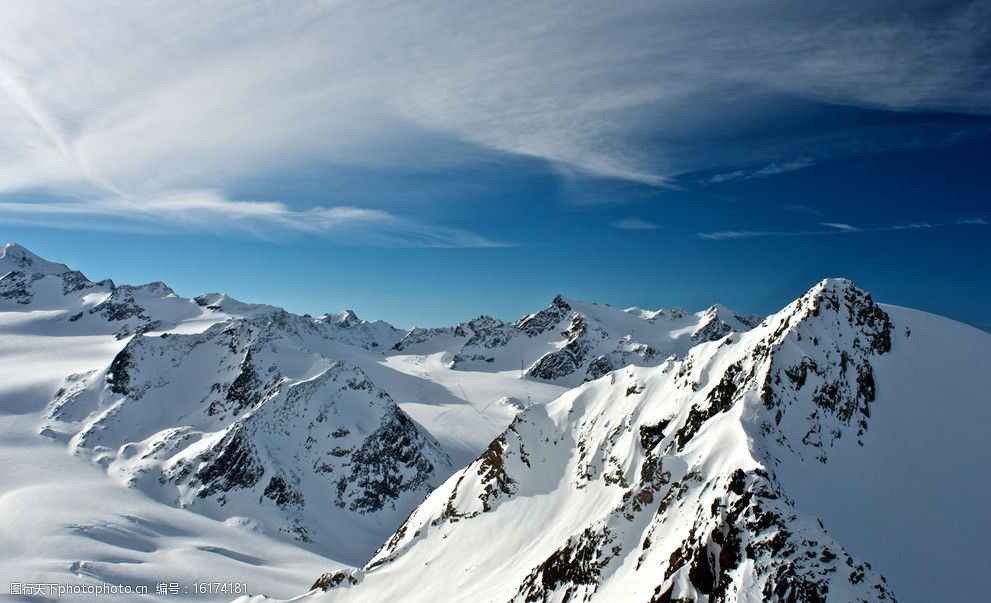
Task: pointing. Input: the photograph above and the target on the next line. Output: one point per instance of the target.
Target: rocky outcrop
(658, 484)
(570, 342)
(254, 417)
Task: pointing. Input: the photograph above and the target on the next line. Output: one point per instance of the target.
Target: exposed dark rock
(651, 435)
(545, 320)
(493, 471)
(417, 335)
(720, 399)
(569, 358)
(572, 572)
(16, 286)
(232, 464)
(336, 578)
(486, 332)
(282, 493)
(389, 462)
(599, 367)
(118, 376)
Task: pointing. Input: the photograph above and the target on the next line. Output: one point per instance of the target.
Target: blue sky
(426, 166)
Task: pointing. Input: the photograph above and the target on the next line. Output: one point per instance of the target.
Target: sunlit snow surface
(912, 501)
(64, 521)
(906, 495)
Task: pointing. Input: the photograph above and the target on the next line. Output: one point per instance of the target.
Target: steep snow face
(255, 418)
(63, 521)
(662, 483)
(15, 258)
(570, 342)
(64, 300)
(369, 335)
(911, 491)
(700, 457)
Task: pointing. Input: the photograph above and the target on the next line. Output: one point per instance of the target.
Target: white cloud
(838, 226)
(209, 210)
(834, 229)
(106, 102)
(768, 170)
(801, 209)
(634, 224)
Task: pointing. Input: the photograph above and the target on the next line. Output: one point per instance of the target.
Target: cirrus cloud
(125, 108)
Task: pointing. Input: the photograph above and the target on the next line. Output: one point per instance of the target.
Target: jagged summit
(15, 257)
(26, 279)
(344, 318)
(617, 454)
(659, 483)
(571, 341)
(222, 302)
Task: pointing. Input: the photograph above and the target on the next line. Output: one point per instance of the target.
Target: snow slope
(255, 417)
(570, 342)
(606, 454)
(62, 520)
(65, 521)
(755, 468)
(910, 500)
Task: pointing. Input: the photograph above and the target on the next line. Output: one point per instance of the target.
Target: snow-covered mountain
(254, 417)
(61, 519)
(235, 410)
(73, 303)
(701, 479)
(570, 342)
(582, 452)
(499, 367)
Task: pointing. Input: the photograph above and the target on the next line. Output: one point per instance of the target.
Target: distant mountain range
(580, 453)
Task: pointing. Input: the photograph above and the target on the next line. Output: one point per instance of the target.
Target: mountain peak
(561, 302)
(850, 305)
(344, 319)
(832, 284)
(15, 249)
(156, 288)
(224, 303)
(666, 486)
(17, 257)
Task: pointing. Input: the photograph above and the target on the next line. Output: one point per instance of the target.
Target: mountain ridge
(799, 389)
(208, 368)
(641, 455)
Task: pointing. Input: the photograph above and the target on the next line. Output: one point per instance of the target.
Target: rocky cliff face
(82, 306)
(253, 417)
(570, 342)
(658, 484)
(697, 457)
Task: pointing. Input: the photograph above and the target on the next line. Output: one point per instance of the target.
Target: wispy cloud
(768, 170)
(972, 222)
(839, 226)
(634, 223)
(801, 209)
(833, 228)
(211, 211)
(143, 103)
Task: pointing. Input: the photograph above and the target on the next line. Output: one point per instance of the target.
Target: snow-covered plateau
(833, 451)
